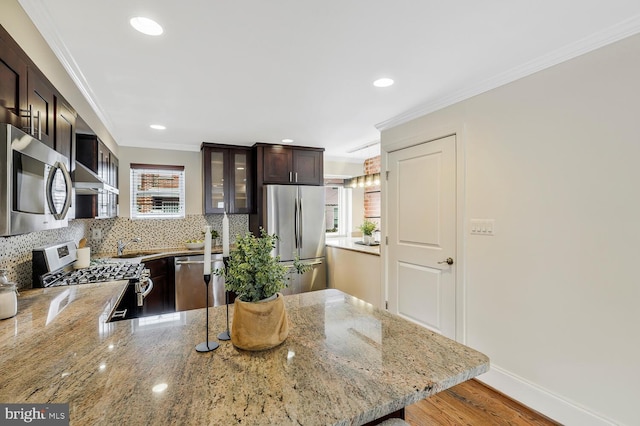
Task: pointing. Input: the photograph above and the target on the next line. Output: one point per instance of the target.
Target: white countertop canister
(8, 297)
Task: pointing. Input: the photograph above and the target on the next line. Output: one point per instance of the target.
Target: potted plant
(367, 229)
(259, 316)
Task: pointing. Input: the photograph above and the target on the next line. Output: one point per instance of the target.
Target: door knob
(448, 261)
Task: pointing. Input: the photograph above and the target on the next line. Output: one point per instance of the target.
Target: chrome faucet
(122, 245)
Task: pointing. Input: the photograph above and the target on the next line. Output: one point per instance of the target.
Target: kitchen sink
(133, 254)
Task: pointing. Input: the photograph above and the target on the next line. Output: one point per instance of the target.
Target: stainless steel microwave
(35, 184)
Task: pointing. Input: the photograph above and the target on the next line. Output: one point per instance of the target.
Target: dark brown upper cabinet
(13, 83)
(290, 165)
(30, 102)
(65, 130)
(41, 101)
(94, 154)
(284, 165)
(228, 178)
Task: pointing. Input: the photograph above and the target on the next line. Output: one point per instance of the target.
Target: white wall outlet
(96, 234)
(482, 226)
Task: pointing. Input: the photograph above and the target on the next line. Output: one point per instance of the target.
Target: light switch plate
(482, 226)
(96, 234)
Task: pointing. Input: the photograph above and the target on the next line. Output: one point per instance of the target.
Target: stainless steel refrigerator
(296, 215)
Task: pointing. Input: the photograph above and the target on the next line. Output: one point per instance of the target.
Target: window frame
(344, 209)
(165, 172)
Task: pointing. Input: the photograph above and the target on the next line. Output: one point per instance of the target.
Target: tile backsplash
(16, 251)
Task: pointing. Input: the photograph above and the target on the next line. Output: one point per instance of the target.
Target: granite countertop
(344, 363)
(351, 243)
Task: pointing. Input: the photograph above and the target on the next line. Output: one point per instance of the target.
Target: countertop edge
(349, 243)
(153, 254)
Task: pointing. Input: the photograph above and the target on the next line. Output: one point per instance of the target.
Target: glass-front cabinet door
(217, 192)
(227, 179)
(240, 165)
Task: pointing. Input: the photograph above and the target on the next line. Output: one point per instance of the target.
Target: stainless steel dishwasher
(190, 288)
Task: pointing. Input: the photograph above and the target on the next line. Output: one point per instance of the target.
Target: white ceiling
(240, 72)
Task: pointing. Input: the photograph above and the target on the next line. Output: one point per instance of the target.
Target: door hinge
(386, 304)
(386, 240)
(387, 175)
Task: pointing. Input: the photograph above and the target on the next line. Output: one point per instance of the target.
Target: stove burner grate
(95, 274)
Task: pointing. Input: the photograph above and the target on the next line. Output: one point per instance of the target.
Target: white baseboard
(541, 400)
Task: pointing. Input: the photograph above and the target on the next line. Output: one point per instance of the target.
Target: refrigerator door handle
(295, 221)
(300, 223)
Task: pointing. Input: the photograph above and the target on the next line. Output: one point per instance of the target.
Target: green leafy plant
(253, 273)
(368, 227)
(214, 235)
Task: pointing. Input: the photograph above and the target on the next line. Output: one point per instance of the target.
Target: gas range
(94, 274)
(53, 266)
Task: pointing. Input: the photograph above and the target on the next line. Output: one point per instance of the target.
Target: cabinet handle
(31, 126)
(290, 176)
(28, 114)
(296, 177)
(39, 127)
(119, 314)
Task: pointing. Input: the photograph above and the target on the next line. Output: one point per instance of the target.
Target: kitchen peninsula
(344, 362)
(355, 268)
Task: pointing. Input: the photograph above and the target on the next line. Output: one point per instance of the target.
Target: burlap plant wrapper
(258, 326)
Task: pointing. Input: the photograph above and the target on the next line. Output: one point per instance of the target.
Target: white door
(422, 234)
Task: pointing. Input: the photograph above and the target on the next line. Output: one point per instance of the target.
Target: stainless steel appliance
(296, 214)
(190, 288)
(53, 266)
(35, 184)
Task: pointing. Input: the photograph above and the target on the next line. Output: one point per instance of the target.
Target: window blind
(157, 191)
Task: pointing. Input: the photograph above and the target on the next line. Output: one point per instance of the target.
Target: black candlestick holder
(207, 346)
(225, 335)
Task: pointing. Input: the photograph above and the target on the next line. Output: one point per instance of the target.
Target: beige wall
(553, 297)
(192, 162)
(343, 168)
(17, 23)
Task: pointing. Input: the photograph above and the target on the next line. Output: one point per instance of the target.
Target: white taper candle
(225, 235)
(207, 250)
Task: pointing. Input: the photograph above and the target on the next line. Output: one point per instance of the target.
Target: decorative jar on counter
(8, 296)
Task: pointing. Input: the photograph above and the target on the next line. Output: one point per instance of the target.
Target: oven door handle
(59, 215)
(146, 292)
(149, 287)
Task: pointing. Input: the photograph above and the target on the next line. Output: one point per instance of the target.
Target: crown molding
(41, 17)
(623, 29)
(166, 146)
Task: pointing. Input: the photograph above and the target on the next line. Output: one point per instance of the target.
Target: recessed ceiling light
(146, 26)
(287, 140)
(158, 126)
(383, 82)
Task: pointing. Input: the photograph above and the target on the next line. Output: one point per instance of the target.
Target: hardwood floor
(472, 403)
